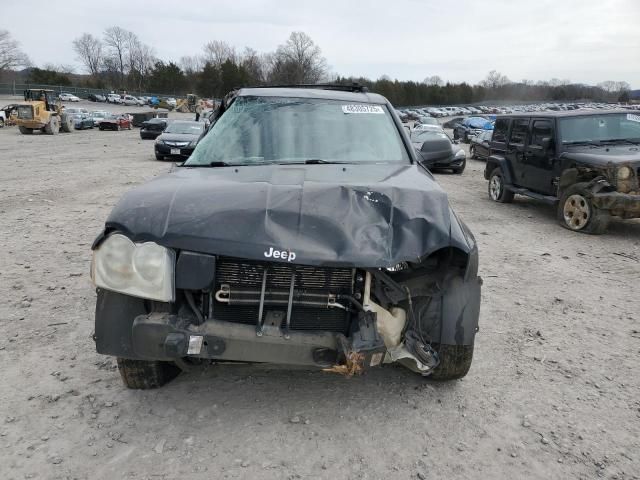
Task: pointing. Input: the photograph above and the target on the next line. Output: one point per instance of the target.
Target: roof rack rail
(352, 87)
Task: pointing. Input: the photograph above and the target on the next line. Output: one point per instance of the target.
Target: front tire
(159, 157)
(25, 130)
(143, 375)
(53, 126)
(576, 212)
(455, 361)
(497, 189)
(472, 151)
(67, 124)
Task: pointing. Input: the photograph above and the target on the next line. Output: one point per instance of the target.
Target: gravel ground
(553, 391)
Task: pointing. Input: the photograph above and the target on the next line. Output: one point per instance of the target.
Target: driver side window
(541, 129)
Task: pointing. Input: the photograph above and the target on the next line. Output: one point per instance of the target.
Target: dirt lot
(553, 391)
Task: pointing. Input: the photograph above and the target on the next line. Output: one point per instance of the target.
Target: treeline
(119, 60)
(494, 88)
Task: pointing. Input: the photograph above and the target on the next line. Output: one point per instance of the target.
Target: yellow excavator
(186, 105)
(42, 111)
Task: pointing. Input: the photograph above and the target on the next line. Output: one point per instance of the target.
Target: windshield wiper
(311, 161)
(628, 141)
(585, 142)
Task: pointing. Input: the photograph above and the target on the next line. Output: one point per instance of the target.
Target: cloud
(583, 41)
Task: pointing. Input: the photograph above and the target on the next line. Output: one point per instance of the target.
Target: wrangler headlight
(140, 269)
(624, 173)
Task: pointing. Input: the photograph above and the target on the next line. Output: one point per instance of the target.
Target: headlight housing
(624, 173)
(460, 154)
(143, 270)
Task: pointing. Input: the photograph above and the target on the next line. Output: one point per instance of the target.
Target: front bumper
(169, 151)
(149, 134)
(451, 163)
(163, 336)
(624, 205)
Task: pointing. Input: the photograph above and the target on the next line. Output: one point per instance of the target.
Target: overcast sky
(585, 41)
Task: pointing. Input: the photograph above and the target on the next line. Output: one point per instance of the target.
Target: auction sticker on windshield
(630, 116)
(362, 109)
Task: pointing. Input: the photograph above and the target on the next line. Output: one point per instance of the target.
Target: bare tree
(433, 80)
(608, 86)
(191, 64)
(495, 79)
(299, 60)
(140, 58)
(253, 65)
(89, 51)
(622, 87)
(10, 54)
(117, 41)
(217, 52)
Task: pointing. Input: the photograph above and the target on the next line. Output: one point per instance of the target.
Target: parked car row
(412, 113)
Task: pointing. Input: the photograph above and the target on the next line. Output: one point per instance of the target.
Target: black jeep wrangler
(586, 163)
(302, 230)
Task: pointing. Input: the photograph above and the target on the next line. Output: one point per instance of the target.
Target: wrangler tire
(496, 187)
(594, 221)
(455, 361)
(144, 375)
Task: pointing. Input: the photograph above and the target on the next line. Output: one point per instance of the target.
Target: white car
(68, 97)
(171, 101)
(130, 100)
(114, 98)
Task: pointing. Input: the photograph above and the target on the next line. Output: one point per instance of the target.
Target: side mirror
(546, 143)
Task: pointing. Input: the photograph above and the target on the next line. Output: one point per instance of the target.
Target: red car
(115, 122)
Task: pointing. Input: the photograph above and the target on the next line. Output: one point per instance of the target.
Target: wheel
(129, 127)
(1, 122)
(497, 190)
(455, 135)
(25, 130)
(455, 361)
(466, 137)
(159, 157)
(101, 129)
(53, 126)
(118, 128)
(472, 151)
(460, 169)
(576, 211)
(67, 123)
(142, 374)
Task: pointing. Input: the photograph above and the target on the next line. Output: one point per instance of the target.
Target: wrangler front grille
(244, 294)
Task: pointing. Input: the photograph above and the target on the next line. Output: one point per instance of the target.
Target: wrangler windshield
(600, 128)
(261, 130)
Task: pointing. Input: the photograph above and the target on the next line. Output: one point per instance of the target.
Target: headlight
(139, 269)
(624, 173)
(193, 143)
(460, 154)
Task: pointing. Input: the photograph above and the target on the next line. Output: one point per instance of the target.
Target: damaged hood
(335, 215)
(604, 154)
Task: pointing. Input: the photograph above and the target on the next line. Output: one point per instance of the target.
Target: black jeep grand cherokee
(301, 230)
(586, 163)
